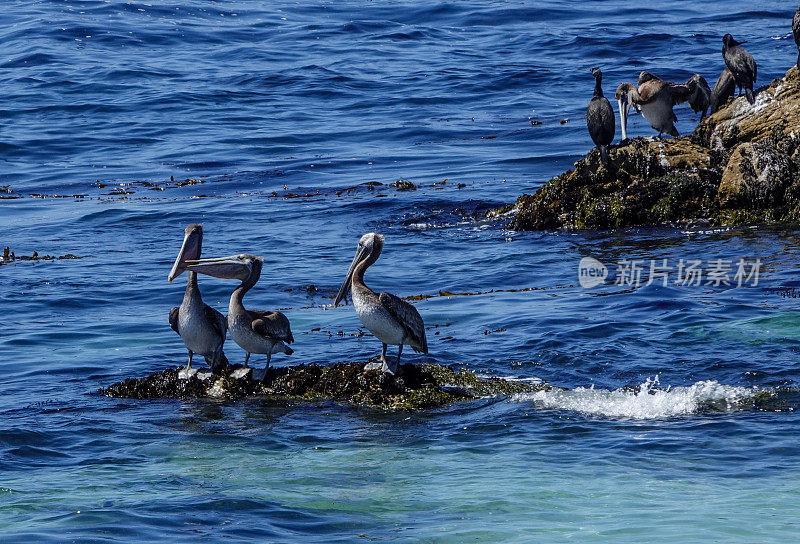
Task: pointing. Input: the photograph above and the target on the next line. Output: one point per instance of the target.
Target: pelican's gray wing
(217, 321)
(173, 319)
(409, 318)
(271, 324)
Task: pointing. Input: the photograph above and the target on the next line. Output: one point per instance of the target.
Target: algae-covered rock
(645, 182)
(741, 165)
(415, 387)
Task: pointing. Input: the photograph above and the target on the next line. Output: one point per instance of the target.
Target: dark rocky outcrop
(416, 387)
(740, 166)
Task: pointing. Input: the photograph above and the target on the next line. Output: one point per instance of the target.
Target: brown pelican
(392, 320)
(202, 328)
(796, 32)
(723, 90)
(700, 99)
(255, 331)
(600, 117)
(741, 64)
(656, 98)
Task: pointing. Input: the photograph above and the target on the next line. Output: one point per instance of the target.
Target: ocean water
(678, 419)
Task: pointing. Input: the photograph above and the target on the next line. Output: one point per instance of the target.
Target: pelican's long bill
(190, 249)
(234, 267)
(348, 280)
(624, 107)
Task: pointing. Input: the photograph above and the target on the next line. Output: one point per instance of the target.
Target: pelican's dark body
(723, 90)
(600, 117)
(741, 64)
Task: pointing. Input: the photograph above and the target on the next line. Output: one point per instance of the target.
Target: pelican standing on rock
(255, 331)
(723, 90)
(201, 327)
(391, 319)
(796, 32)
(600, 117)
(741, 64)
(655, 98)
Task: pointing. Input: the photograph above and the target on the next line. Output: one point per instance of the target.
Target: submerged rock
(416, 387)
(741, 165)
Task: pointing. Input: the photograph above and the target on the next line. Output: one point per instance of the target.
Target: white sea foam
(649, 402)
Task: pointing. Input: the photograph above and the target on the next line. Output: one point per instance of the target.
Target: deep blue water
(262, 101)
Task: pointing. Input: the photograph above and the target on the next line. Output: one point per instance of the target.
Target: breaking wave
(648, 401)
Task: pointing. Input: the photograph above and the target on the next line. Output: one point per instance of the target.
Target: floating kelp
(9, 257)
(415, 387)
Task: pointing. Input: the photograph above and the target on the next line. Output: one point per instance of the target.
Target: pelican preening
(600, 117)
(201, 327)
(391, 319)
(741, 64)
(255, 331)
(655, 98)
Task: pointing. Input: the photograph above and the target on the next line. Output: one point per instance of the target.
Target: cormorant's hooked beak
(229, 268)
(361, 252)
(190, 249)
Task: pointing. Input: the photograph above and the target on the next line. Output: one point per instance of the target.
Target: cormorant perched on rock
(741, 64)
(600, 117)
(723, 90)
(700, 99)
(796, 31)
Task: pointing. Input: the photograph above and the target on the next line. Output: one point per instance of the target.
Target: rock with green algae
(741, 165)
(416, 387)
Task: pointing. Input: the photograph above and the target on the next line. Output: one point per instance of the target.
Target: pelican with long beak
(624, 95)
(389, 318)
(255, 331)
(201, 327)
(655, 98)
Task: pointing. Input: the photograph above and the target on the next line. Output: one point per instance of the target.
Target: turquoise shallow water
(267, 101)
